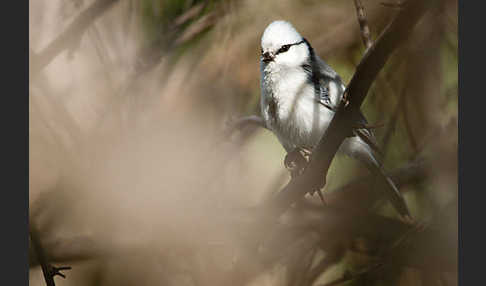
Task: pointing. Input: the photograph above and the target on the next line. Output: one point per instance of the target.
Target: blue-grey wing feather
(325, 75)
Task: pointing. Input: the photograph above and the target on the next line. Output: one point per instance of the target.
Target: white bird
(299, 94)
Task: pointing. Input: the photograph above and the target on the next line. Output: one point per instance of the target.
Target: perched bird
(299, 96)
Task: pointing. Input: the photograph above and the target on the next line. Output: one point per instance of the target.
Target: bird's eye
(284, 48)
(261, 51)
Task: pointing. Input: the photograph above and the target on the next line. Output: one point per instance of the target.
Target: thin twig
(363, 24)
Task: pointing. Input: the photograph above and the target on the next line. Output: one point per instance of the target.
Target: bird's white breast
(290, 109)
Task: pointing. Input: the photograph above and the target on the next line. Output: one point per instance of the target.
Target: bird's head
(282, 45)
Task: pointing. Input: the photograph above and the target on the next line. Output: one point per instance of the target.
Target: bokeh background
(136, 180)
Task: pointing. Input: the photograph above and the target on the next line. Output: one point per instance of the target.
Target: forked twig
(48, 270)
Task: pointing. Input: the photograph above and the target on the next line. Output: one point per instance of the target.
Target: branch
(341, 124)
(71, 35)
(363, 24)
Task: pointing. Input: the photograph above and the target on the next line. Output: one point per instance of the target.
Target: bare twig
(363, 24)
(71, 35)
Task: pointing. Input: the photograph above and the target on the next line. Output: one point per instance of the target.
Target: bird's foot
(296, 161)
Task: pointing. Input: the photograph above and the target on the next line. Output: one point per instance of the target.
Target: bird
(300, 94)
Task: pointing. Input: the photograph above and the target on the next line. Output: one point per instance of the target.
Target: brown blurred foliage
(133, 180)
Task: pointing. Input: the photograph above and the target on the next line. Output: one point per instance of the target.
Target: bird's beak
(267, 57)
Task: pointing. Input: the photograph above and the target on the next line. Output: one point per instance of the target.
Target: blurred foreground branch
(69, 38)
(79, 248)
(67, 249)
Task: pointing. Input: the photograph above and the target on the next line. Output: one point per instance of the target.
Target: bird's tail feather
(393, 194)
(374, 164)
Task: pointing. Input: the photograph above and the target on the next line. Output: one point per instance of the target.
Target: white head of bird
(282, 46)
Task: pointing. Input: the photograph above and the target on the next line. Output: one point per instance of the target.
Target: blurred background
(137, 177)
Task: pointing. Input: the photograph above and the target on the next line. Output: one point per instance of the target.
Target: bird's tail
(392, 193)
(373, 162)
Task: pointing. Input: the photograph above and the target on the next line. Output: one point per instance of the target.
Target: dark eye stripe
(285, 48)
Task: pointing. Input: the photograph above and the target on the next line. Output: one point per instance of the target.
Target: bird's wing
(330, 84)
(331, 100)
(323, 76)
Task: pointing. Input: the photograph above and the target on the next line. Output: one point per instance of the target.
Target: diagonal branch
(71, 35)
(367, 70)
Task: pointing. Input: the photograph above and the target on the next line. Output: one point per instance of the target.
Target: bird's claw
(296, 161)
(57, 271)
